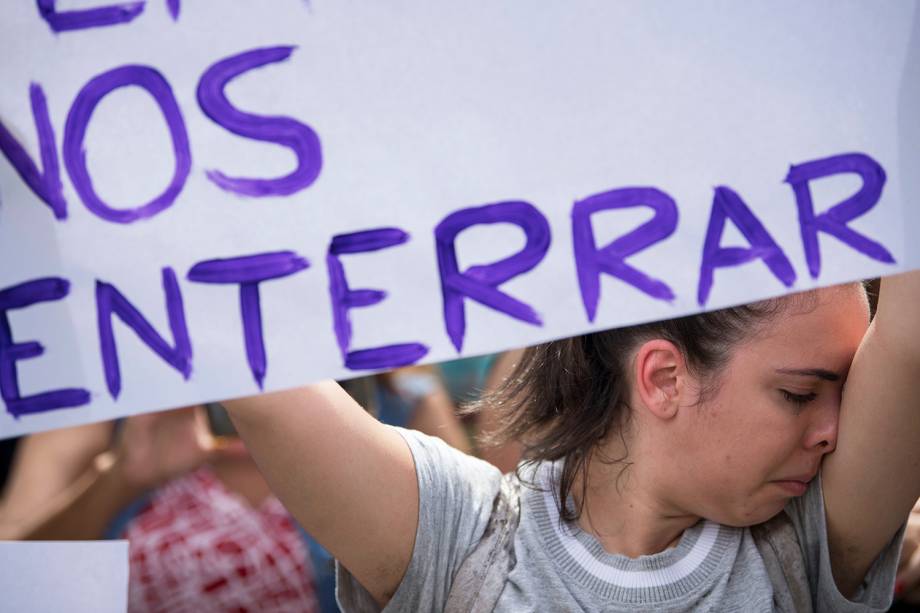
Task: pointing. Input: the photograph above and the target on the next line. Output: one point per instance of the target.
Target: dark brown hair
(565, 397)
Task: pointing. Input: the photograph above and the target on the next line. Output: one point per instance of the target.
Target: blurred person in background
(205, 532)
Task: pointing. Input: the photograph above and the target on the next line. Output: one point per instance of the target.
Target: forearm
(84, 510)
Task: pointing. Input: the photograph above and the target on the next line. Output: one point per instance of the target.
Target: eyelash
(799, 400)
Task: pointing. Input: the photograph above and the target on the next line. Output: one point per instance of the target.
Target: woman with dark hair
(709, 462)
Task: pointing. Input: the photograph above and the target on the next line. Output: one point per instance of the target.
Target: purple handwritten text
(19, 297)
(109, 301)
(75, 131)
(726, 204)
(47, 184)
(591, 261)
(345, 299)
(481, 282)
(113, 14)
(298, 137)
(834, 220)
(248, 271)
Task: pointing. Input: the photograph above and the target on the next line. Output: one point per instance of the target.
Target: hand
(907, 584)
(154, 448)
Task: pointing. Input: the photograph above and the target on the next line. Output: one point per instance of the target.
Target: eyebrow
(820, 373)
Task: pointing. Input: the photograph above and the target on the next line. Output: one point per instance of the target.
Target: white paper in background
(423, 109)
(56, 576)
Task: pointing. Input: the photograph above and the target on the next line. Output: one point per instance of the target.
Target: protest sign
(205, 200)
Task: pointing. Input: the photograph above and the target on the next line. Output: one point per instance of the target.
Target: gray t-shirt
(562, 568)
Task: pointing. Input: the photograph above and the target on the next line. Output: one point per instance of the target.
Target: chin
(746, 518)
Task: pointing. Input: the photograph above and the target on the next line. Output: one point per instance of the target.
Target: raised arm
(349, 480)
(873, 478)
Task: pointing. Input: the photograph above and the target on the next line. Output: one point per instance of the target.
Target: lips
(796, 488)
(796, 485)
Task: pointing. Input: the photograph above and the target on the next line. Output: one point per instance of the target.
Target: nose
(822, 433)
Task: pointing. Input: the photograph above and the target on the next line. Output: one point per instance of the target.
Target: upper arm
(872, 479)
(349, 480)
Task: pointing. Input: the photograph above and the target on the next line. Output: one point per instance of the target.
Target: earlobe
(659, 370)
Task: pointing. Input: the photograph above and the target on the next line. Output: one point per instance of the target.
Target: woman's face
(756, 440)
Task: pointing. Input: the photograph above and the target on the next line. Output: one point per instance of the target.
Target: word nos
(47, 185)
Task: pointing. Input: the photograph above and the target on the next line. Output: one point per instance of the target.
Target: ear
(660, 375)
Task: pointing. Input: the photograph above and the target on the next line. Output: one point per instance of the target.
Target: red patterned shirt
(199, 548)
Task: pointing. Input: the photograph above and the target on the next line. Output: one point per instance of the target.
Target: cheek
(737, 439)
(762, 451)
(743, 445)
(759, 413)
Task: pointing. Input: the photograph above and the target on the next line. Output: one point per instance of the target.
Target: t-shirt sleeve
(456, 492)
(877, 590)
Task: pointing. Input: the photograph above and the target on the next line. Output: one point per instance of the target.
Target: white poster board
(199, 200)
(73, 576)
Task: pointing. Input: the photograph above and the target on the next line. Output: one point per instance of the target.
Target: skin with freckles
(732, 447)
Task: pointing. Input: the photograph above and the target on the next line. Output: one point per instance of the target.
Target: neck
(623, 510)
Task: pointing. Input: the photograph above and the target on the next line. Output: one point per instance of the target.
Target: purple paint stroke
(173, 6)
(390, 356)
(110, 301)
(114, 14)
(248, 268)
(727, 204)
(367, 240)
(251, 315)
(46, 184)
(481, 282)
(298, 137)
(834, 220)
(248, 271)
(75, 131)
(344, 299)
(19, 297)
(590, 261)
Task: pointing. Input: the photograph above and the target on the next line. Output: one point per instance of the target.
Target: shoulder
(436, 462)
(456, 494)
(452, 484)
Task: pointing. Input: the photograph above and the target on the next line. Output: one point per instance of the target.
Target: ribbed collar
(704, 549)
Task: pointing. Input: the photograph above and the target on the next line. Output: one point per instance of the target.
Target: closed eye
(798, 399)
